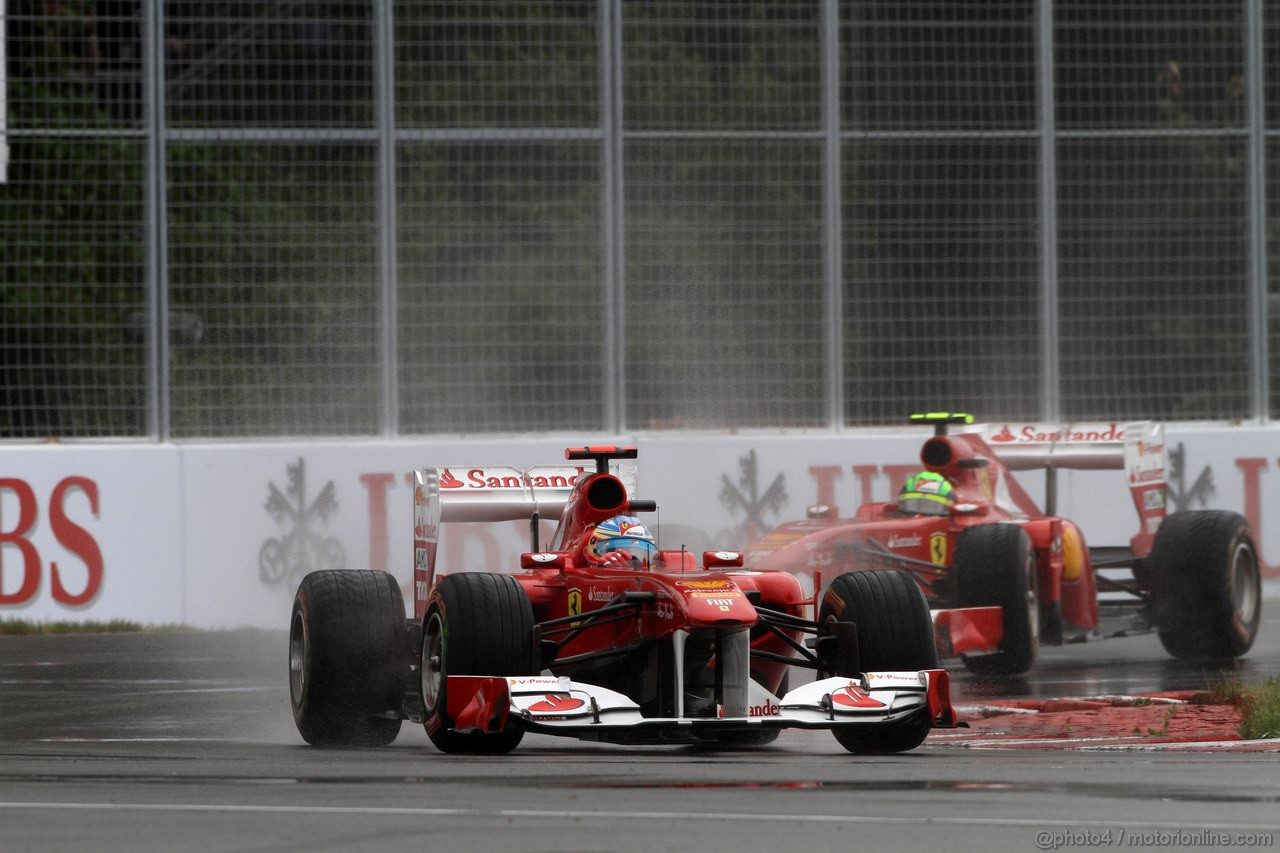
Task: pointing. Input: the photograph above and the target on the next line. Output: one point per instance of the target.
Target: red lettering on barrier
(75, 539)
(17, 537)
(864, 473)
(376, 486)
(1251, 468)
(825, 475)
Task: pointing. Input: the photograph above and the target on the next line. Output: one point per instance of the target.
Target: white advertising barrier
(259, 517)
(219, 535)
(91, 533)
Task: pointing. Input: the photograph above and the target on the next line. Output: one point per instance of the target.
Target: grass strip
(27, 627)
(1259, 706)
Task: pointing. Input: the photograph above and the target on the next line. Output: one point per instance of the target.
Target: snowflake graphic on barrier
(299, 550)
(1180, 495)
(745, 496)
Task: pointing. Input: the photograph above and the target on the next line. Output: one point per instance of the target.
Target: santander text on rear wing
(1136, 448)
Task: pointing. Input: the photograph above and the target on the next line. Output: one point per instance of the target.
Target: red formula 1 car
(1003, 577)
(663, 652)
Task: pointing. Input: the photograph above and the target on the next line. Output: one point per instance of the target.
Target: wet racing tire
(995, 566)
(895, 634)
(1204, 573)
(476, 624)
(348, 658)
(895, 631)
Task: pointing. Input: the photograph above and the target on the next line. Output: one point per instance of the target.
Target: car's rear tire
(476, 624)
(995, 566)
(1204, 573)
(348, 658)
(895, 634)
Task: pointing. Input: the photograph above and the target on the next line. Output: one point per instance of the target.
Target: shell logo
(705, 584)
(551, 704)
(854, 697)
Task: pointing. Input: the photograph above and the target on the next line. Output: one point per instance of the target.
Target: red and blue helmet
(622, 533)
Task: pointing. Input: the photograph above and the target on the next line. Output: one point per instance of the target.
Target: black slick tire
(995, 566)
(895, 634)
(476, 624)
(348, 658)
(1204, 573)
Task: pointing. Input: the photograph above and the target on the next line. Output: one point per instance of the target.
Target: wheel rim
(1033, 605)
(432, 662)
(297, 658)
(1244, 585)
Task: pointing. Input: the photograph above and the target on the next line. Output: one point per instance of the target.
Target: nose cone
(716, 602)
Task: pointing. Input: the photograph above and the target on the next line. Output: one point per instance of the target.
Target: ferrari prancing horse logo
(938, 549)
(575, 605)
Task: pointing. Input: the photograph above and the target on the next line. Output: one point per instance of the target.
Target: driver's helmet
(927, 493)
(622, 541)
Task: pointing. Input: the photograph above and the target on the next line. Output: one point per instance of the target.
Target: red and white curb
(1185, 721)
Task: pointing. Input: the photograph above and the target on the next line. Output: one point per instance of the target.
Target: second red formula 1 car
(601, 635)
(1003, 576)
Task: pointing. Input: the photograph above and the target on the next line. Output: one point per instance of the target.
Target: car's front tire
(895, 634)
(476, 624)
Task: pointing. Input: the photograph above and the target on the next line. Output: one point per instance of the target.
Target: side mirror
(971, 509)
(544, 560)
(722, 559)
(822, 511)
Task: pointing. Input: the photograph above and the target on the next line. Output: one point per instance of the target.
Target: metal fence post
(612, 221)
(159, 397)
(1256, 217)
(1050, 352)
(388, 358)
(832, 195)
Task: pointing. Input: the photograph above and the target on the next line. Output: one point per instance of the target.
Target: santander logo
(448, 481)
(1056, 434)
(551, 704)
(1005, 435)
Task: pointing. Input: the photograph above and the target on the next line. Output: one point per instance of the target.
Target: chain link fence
(344, 218)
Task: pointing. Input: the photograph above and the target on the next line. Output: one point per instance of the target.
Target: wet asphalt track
(185, 742)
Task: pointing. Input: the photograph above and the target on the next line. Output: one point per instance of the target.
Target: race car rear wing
(490, 493)
(1136, 448)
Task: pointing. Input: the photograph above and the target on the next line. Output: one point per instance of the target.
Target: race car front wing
(559, 706)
